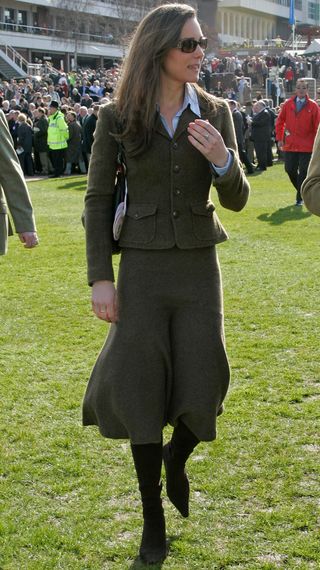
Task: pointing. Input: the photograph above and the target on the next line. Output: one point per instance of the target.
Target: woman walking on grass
(164, 361)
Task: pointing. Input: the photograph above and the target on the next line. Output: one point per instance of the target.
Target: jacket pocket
(206, 224)
(139, 225)
(202, 220)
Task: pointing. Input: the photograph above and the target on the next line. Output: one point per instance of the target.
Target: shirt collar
(190, 99)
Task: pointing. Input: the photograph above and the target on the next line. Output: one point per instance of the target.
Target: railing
(28, 68)
(16, 57)
(299, 42)
(53, 32)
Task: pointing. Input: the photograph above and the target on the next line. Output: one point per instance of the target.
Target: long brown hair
(138, 89)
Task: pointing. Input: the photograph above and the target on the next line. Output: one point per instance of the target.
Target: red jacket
(298, 130)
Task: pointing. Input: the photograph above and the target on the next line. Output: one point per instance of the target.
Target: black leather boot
(175, 455)
(148, 461)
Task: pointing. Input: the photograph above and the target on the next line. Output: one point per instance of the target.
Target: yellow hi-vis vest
(58, 132)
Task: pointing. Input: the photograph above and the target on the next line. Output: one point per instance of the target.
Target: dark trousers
(269, 153)
(57, 160)
(296, 166)
(261, 149)
(26, 162)
(245, 159)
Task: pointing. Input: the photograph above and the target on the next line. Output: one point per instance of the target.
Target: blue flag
(291, 13)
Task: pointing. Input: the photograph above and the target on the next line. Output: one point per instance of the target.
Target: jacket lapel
(187, 117)
(159, 128)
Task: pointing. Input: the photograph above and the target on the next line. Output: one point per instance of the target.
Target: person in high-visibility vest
(58, 134)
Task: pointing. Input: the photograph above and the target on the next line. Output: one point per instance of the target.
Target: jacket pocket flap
(203, 209)
(138, 211)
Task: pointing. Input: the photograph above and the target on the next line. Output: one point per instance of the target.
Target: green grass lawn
(69, 498)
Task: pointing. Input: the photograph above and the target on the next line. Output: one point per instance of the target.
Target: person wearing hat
(58, 135)
(13, 195)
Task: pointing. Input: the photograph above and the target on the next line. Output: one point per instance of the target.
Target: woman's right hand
(105, 301)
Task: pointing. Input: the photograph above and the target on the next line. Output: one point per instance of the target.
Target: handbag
(119, 202)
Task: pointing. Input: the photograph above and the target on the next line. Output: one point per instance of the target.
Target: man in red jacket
(296, 128)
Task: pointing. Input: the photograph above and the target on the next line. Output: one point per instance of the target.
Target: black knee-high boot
(148, 460)
(175, 455)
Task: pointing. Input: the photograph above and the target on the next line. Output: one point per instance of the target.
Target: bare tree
(73, 22)
(129, 15)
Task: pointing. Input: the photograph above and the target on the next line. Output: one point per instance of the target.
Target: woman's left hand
(204, 137)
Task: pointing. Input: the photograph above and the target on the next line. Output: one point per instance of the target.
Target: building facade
(242, 21)
(92, 32)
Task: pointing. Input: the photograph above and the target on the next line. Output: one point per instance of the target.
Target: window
(9, 15)
(313, 11)
(22, 17)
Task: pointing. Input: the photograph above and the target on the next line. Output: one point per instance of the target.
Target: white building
(256, 20)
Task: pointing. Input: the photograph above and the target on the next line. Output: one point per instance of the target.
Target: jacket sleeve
(310, 189)
(43, 127)
(238, 125)
(233, 187)
(98, 199)
(13, 183)
(280, 123)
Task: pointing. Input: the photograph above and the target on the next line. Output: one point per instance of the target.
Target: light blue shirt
(191, 98)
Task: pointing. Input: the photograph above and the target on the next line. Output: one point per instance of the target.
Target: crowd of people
(52, 117)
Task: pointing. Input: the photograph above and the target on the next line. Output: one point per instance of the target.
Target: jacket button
(177, 191)
(175, 145)
(176, 214)
(176, 168)
(136, 216)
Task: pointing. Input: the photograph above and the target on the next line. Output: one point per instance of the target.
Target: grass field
(69, 498)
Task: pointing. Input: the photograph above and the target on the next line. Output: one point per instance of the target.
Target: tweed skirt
(165, 359)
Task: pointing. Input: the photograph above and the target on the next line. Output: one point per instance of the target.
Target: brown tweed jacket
(310, 189)
(13, 190)
(168, 188)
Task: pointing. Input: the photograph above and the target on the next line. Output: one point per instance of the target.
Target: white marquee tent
(314, 47)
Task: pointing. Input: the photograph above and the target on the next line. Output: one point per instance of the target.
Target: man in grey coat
(14, 194)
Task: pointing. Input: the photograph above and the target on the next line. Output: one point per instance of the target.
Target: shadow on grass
(138, 564)
(287, 214)
(75, 185)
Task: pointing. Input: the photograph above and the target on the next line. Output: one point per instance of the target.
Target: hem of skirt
(124, 435)
(205, 437)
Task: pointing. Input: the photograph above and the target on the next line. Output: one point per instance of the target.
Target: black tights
(148, 460)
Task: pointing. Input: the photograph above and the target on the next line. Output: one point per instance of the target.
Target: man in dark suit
(13, 194)
(239, 128)
(89, 126)
(260, 129)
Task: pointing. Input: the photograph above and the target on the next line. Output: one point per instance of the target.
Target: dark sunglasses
(189, 45)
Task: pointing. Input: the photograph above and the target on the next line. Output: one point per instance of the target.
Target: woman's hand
(29, 239)
(105, 301)
(204, 137)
